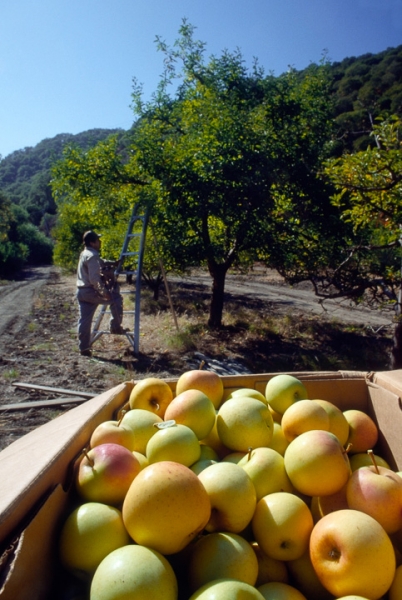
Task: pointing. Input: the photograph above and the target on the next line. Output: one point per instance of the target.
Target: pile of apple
(203, 494)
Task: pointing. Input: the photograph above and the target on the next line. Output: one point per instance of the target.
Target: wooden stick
(54, 390)
(40, 404)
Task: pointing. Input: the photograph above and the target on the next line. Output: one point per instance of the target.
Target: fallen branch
(41, 404)
(54, 390)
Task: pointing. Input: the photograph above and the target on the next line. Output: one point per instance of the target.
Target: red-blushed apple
(283, 390)
(208, 382)
(302, 416)
(282, 524)
(173, 442)
(151, 394)
(352, 554)
(377, 491)
(304, 578)
(269, 569)
(134, 572)
(194, 409)
(338, 424)
(244, 423)
(395, 591)
(317, 463)
(166, 507)
(363, 431)
(112, 432)
(221, 555)
(141, 422)
(280, 591)
(223, 589)
(232, 496)
(105, 473)
(266, 469)
(90, 533)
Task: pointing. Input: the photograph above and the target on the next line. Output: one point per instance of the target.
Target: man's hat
(89, 237)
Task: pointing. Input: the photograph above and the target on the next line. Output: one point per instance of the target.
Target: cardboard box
(36, 470)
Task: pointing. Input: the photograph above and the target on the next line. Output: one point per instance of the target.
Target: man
(92, 291)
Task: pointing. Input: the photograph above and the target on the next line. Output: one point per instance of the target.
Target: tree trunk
(396, 352)
(218, 274)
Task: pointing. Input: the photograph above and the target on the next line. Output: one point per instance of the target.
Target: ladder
(133, 253)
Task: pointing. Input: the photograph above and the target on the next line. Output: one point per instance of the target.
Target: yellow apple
(303, 576)
(244, 423)
(223, 589)
(266, 469)
(207, 452)
(221, 555)
(142, 459)
(323, 505)
(141, 422)
(249, 392)
(362, 459)
(353, 597)
(174, 442)
(105, 473)
(112, 432)
(234, 457)
(363, 432)
(352, 554)
(317, 463)
(232, 496)
(377, 491)
(278, 441)
(302, 416)
(280, 591)
(166, 507)
(338, 424)
(134, 572)
(283, 390)
(213, 441)
(194, 409)
(208, 382)
(90, 533)
(395, 591)
(269, 569)
(151, 394)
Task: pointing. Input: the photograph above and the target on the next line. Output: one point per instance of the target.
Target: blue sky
(67, 65)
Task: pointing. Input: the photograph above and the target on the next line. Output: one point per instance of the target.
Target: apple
(338, 423)
(174, 442)
(283, 390)
(244, 423)
(232, 497)
(282, 524)
(234, 457)
(266, 469)
(200, 465)
(304, 578)
(207, 452)
(134, 572)
(363, 459)
(323, 505)
(278, 441)
(142, 459)
(277, 590)
(352, 554)
(151, 394)
(363, 432)
(105, 473)
(90, 533)
(249, 392)
(208, 382)
(302, 416)
(141, 422)
(112, 432)
(223, 589)
(221, 555)
(194, 409)
(395, 591)
(213, 441)
(377, 491)
(166, 507)
(316, 463)
(269, 569)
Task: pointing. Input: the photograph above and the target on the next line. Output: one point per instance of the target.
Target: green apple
(141, 422)
(208, 382)
(277, 590)
(222, 555)
(166, 507)
(302, 416)
(244, 423)
(266, 469)
(234, 457)
(232, 496)
(194, 409)
(363, 459)
(174, 442)
(316, 463)
(207, 452)
(284, 390)
(134, 572)
(105, 473)
(112, 432)
(249, 392)
(282, 524)
(363, 431)
(200, 465)
(352, 554)
(90, 533)
(338, 424)
(151, 394)
(269, 569)
(223, 589)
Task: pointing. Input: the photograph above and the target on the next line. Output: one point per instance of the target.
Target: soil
(269, 327)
